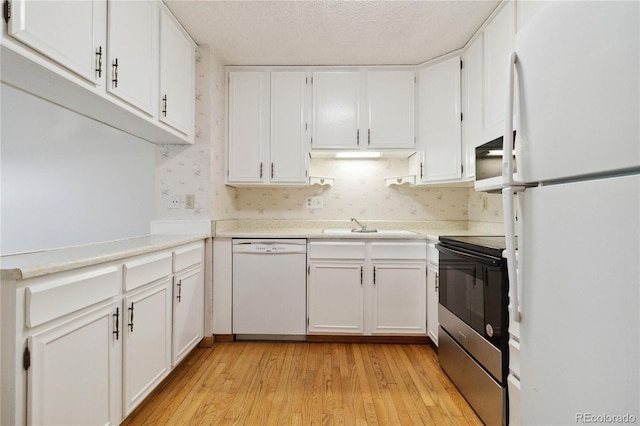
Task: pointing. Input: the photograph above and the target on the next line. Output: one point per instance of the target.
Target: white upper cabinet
(498, 42)
(177, 75)
(267, 128)
(387, 98)
(391, 109)
(101, 59)
(71, 33)
(288, 149)
(336, 110)
(248, 130)
(472, 104)
(133, 53)
(440, 122)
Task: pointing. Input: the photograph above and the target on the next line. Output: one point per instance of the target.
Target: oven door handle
(473, 257)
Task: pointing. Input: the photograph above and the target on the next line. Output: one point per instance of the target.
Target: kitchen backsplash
(359, 188)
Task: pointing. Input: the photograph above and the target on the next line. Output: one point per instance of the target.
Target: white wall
(67, 179)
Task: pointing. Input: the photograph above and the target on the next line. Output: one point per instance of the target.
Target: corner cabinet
(267, 128)
(113, 61)
(367, 288)
(86, 346)
(177, 75)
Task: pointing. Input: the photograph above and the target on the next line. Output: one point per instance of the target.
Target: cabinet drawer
(145, 269)
(187, 256)
(399, 250)
(69, 292)
(336, 250)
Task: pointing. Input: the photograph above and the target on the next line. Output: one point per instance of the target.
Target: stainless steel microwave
(489, 165)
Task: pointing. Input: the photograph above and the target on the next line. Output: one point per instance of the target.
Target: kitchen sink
(367, 231)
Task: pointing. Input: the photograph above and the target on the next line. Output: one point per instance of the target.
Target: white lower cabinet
(146, 332)
(188, 308)
(336, 297)
(73, 377)
(432, 292)
(367, 288)
(86, 346)
(398, 289)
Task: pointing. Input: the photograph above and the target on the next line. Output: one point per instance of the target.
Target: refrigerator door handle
(510, 240)
(507, 140)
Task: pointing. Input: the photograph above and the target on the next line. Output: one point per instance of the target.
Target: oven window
(461, 290)
(476, 293)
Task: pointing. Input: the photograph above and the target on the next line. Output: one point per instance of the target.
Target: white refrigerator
(575, 293)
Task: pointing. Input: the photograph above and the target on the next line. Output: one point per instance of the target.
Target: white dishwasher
(269, 288)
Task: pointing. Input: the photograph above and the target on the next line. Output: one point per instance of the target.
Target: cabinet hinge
(311, 80)
(306, 80)
(6, 10)
(26, 358)
(305, 127)
(308, 269)
(311, 140)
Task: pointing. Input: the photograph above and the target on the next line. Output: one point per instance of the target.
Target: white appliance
(575, 304)
(269, 288)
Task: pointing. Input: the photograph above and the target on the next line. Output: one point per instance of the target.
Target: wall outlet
(314, 202)
(189, 201)
(174, 202)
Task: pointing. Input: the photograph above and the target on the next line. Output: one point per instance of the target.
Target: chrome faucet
(363, 228)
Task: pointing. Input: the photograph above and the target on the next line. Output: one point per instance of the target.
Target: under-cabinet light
(358, 154)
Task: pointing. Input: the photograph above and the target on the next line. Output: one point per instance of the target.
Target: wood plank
(300, 383)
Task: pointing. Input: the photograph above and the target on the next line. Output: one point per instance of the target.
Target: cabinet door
(177, 75)
(432, 303)
(439, 122)
(289, 149)
(248, 126)
(147, 341)
(188, 312)
(472, 105)
(391, 109)
(336, 297)
(133, 53)
(336, 112)
(73, 377)
(72, 33)
(498, 45)
(399, 298)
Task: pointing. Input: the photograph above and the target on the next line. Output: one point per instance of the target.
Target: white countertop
(33, 264)
(430, 230)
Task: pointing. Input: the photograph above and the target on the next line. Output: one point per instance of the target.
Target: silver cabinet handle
(114, 80)
(164, 105)
(99, 55)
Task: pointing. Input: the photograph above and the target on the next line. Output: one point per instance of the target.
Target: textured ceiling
(329, 32)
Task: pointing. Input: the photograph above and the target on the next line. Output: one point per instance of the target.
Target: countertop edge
(45, 262)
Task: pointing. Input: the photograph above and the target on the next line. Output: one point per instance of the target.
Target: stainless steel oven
(473, 318)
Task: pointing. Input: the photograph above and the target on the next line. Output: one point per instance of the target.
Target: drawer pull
(117, 330)
(131, 318)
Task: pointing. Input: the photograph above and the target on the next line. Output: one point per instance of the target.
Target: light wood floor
(296, 383)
